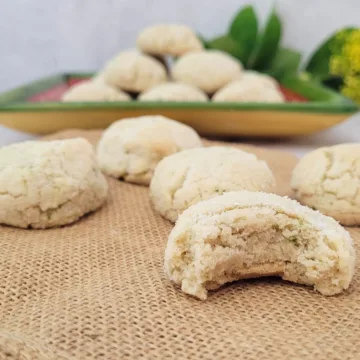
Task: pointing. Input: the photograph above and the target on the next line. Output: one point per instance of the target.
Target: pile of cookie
(229, 224)
(196, 74)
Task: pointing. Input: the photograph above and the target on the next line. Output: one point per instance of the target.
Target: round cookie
(208, 70)
(328, 179)
(266, 80)
(94, 91)
(186, 178)
(246, 234)
(168, 39)
(173, 92)
(98, 78)
(133, 71)
(49, 183)
(131, 148)
(248, 91)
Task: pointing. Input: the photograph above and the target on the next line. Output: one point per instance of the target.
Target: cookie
(208, 70)
(95, 90)
(98, 78)
(188, 177)
(173, 92)
(246, 234)
(266, 80)
(249, 91)
(48, 184)
(328, 179)
(168, 39)
(131, 148)
(133, 71)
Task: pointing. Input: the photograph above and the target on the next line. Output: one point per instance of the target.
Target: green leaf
(286, 62)
(312, 89)
(268, 43)
(243, 29)
(318, 64)
(229, 45)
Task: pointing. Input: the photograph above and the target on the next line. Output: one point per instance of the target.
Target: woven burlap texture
(97, 290)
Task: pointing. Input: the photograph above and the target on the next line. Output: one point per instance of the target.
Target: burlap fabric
(97, 290)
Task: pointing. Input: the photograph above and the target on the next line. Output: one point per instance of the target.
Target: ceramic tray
(36, 108)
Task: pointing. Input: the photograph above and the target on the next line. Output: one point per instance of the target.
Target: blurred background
(43, 37)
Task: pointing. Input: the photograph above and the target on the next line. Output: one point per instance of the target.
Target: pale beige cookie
(173, 92)
(328, 179)
(98, 78)
(266, 80)
(94, 91)
(131, 148)
(208, 70)
(188, 177)
(133, 71)
(168, 39)
(246, 234)
(249, 91)
(47, 184)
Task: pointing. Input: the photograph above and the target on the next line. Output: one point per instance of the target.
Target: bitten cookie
(208, 70)
(249, 90)
(173, 92)
(168, 39)
(246, 234)
(95, 90)
(47, 184)
(133, 71)
(184, 179)
(131, 148)
(328, 179)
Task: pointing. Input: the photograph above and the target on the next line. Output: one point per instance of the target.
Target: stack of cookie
(229, 224)
(197, 74)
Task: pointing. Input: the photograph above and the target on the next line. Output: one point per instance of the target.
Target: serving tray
(36, 108)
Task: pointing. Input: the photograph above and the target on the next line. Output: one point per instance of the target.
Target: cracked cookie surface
(94, 91)
(168, 39)
(266, 80)
(131, 148)
(173, 92)
(49, 183)
(328, 179)
(133, 71)
(249, 90)
(208, 70)
(184, 179)
(246, 234)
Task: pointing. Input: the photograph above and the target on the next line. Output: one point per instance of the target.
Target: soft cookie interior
(211, 247)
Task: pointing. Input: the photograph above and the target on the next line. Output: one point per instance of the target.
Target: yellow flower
(351, 51)
(351, 88)
(338, 65)
(345, 62)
